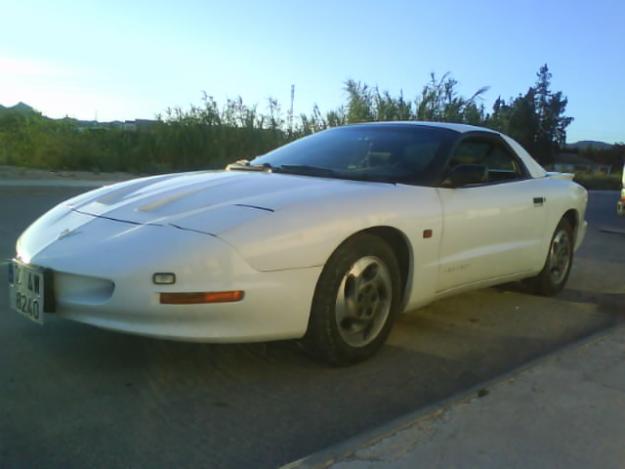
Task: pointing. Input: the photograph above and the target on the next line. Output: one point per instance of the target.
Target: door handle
(539, 201)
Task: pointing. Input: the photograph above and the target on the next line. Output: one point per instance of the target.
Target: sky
(133, 59)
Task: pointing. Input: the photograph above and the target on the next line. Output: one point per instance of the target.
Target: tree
(440, 101)
(518, 119)
(359, 102)
(536, 119)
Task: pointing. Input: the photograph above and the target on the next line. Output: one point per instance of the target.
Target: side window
(472, 151)
(501, 164)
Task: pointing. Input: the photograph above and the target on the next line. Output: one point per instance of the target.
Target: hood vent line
(136, 223)
(256, 207)
(191, 229)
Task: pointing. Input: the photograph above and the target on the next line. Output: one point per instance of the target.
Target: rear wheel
(558, 264)
(355, 302)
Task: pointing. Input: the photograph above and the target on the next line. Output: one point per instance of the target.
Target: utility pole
(290, 116)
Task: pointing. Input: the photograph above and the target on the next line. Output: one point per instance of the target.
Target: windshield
(381, 153)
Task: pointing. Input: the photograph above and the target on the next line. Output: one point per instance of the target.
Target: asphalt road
(75, 396)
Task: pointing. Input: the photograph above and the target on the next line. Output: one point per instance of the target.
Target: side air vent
(81, 289)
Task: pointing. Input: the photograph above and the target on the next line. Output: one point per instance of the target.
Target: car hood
(210, 201)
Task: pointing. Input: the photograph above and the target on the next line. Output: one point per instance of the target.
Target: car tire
(555, 273)
(357, 298)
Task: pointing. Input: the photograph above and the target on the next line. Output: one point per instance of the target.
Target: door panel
(490, 231)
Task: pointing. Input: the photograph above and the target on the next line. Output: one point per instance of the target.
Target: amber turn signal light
(201, 297)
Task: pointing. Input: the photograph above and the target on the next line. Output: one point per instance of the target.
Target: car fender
(562, 196)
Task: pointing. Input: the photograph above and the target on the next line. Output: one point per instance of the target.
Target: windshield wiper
(309, 170)
(244, 165)
(304, 169)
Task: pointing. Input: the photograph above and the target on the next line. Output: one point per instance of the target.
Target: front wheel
(558, 264)
(355, 302)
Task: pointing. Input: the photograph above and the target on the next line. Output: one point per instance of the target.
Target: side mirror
(465, 174)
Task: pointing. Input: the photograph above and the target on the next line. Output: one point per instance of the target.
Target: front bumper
(103, 277)
(276, 306)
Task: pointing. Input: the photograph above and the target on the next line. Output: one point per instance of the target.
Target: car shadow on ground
(609, 303)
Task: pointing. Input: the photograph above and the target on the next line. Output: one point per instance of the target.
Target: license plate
(26, 290)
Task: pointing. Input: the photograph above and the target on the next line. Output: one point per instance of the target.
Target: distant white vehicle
(326, 239)
(620, 205)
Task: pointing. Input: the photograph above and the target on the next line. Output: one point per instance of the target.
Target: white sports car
(325, 239)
